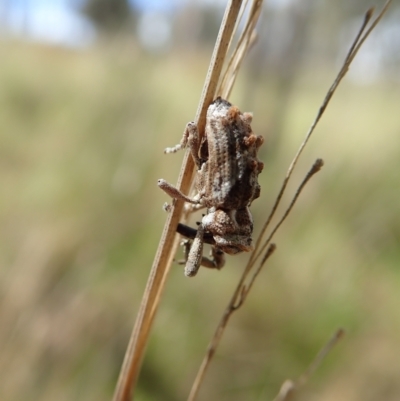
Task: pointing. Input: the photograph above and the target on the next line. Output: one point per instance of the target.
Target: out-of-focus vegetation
(108, 15)
(82, 134)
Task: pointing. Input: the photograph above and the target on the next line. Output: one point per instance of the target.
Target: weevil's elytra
(232, 163)
(226, 182)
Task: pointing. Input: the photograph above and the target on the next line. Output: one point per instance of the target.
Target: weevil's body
(226, 181)
(228, 177)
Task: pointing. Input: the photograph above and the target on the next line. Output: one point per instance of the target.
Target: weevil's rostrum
(226, 183)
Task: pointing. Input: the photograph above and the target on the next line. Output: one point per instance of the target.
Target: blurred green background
(83, 126)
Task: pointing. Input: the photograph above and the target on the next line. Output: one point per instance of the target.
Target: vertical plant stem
(167, 246)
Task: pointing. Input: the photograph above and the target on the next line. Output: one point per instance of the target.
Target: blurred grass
(82, 134)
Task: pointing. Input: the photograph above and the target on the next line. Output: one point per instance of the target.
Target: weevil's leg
(191, 233)
(190, 137)
(194, 143)
(217, 261)
(167, 207)
(218, 256)
(183, 142)
(186, 249)
(174, 192)
(195, 254)
(191, 208)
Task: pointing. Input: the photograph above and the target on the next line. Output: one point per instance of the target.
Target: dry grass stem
(242, 290)
(168, 242)
(245, 42)
(354, 48)
(290, 387)
(316, 167)
(246, 288)
(235, 303)
(239, 19)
